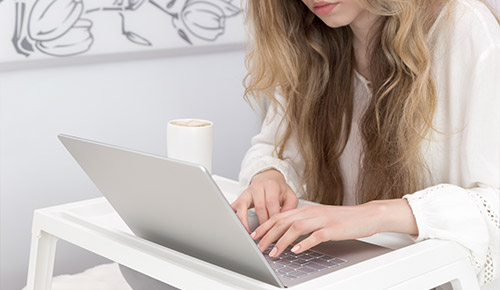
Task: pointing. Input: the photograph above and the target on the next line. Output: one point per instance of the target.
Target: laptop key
(284, 271)
(299, 273)
(282, 262)
(301, 261)
(277, 266)
(271, 259)
(339, 261)
(308, 257)
(325, 263)
(315, 265)
(308, 270)
(294, 265)
(316, 254)
(327, 258)
(289, 258)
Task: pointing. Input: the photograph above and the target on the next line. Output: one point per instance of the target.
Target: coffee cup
(191, 140)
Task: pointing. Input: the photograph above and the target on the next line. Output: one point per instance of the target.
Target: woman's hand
(327, 223)
(269, 193)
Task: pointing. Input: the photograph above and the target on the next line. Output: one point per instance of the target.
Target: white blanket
(102, 277)
(109, 277)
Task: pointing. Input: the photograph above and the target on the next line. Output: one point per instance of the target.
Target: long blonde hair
(312, 65)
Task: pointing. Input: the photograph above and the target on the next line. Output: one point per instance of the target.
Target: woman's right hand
(269, 194)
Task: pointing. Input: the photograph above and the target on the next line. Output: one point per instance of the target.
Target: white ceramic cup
(191, 140)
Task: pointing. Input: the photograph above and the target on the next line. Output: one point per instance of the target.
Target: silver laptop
(178, 205)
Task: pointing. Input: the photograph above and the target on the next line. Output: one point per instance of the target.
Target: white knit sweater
(461, 200)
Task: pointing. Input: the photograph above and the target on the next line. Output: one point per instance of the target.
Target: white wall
(495, 4)
(125, 103)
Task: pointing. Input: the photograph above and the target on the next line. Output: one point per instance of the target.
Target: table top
(93, 223)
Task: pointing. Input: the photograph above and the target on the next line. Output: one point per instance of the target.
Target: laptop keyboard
(293, 266)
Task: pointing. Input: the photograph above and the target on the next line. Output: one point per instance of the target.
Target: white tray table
(95, 226)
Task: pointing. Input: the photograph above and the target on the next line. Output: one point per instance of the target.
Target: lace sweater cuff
(466, 216)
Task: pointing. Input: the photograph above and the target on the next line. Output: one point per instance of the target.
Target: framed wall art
(51, 30)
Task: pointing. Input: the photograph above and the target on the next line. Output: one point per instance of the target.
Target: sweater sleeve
(467, 211)
(262, 154)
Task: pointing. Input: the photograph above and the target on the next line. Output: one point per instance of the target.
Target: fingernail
(295, 248)
(273, 252)
(253, 235)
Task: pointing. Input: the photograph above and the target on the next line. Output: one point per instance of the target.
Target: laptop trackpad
(353, 251)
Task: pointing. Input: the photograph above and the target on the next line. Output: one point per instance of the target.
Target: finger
(242, 213)
(290, 201)
(274, 233)
(296, 229)
(241, 206)
(245, 198)
(262, 229)
(260, 205)
(313, 240)
(272, 199)
(274, 228)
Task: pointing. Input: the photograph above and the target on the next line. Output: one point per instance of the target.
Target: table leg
(41, 265)
(466, 278)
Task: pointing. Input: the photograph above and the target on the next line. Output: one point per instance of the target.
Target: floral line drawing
(202, 19)
(63, 28)
(21, 44)
(132, 36)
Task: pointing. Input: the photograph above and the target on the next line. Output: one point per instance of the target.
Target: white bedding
(109, 277)
(102, 277)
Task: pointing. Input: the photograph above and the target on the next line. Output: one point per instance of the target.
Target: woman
(386, 112)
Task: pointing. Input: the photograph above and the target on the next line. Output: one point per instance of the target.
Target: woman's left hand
(327, 223)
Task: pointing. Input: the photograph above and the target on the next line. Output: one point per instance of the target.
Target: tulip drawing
(202, 19)
(64, 27)
(49, 19)
(56, 27)
(20, 39)
(76, 40)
